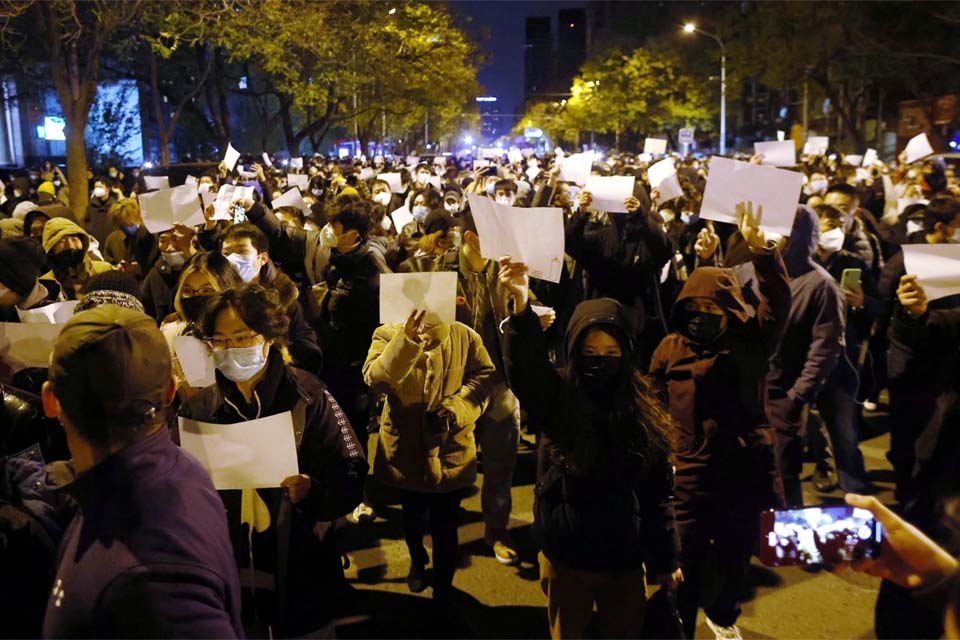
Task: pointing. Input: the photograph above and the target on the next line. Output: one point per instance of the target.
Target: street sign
(686, 135)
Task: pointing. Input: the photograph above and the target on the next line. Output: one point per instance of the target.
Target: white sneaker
(724, 633)
(364, 514)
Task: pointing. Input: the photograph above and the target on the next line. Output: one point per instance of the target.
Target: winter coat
(22, 424)
(290, 561)
(97, 222)
(612, 514)
(149, 553)
(812, 343)
(486, 304)
(448, 368)
(72, 279)
(350, 311)
(929, 345)
(141, 248)
(158, 289)
(717, 393)
(301, 340)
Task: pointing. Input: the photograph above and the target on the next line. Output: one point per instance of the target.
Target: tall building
(571, 46)
(537, 56)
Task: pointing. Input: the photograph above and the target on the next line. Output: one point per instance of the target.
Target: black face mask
(704, 328)
(600, 374)
(67, 259)
(194, 306)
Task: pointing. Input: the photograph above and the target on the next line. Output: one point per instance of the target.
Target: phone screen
(239, 215)
(850, 279)
(818, 536)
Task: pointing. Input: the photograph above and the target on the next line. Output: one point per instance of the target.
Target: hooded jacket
(813, 340)
(716, 393)
(599, 506)
(97, 221)
(301, 340)
(74, 278)
(448, 368)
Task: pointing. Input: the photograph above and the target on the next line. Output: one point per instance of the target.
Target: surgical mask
(113, 174)
(832, 241)
(131, 229)
(194, 306)
(704, 328)
(817, 186)
(420, 213)
(67, 259)
(56, 183)
(423, 178)
(316, 192)
(452, 207)
(600, 377)
(382, 198)
(99, 192)
(246, 267)
(174, 259)
(17, 193)
(240, 363)
(328, 237)
(507, 200)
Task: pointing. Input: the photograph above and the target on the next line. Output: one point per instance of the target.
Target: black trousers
(442, 512)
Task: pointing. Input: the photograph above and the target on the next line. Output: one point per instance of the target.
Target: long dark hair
(638, 421)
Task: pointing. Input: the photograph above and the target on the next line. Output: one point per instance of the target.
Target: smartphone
(487, 172)
(850, 280)
(815, 536)
(239, 214)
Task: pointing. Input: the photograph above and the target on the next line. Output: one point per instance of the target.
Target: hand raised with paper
(513, 276)
(585, 200)
(750, 226)
(912, 296)
(414, 327)
(632, 204)
(296, 487)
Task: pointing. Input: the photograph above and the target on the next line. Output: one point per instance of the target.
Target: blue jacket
(148, 555)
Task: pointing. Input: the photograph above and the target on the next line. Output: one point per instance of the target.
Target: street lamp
(691, 28)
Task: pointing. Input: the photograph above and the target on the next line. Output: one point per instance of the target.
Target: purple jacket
(149, 554)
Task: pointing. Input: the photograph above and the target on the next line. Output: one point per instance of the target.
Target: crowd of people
(675, 377)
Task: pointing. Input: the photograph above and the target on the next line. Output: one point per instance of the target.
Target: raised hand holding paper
(296, 163)
(291, 198)
(918, 147)
(27, 345)
(246, 455)
(663, 178)
(776, 154)
(393, 179)
(227, 195)
(609, 193)
(655, 146)
(196, 361)
(298, 180)
(533, 236)
(163, 209)
(157, 182)
(231, 157)
(401, 217)
(937, 267)
(731, 182)
(869, 158)
(576, 168)
(402, 293)
(816, 146)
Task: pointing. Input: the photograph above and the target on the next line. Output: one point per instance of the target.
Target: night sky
(503, 75)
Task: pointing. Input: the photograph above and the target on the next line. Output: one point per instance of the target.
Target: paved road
(504, 602)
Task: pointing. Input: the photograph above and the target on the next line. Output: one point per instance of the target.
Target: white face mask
(99, 192)
(452, 207)
(17, 193)
(174, 259)
(507, 200)
(420, 213)
(113, 174)
(247, 268)
(423, 178)
(382, 198)
(832, 241)
(328, 237)
(240, 363)
(817, 186)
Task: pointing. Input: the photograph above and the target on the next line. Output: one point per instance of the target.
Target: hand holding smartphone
(818, 536)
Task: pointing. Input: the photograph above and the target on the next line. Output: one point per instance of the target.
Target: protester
(176, 248)
(603, 497)
(97, 221)
(21, 263)
(437, 380)
(67, 248)
(131, 247)
(713, 367)
(148, 552)
(294, 581)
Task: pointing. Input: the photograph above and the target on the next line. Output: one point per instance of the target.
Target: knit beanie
(111, 287)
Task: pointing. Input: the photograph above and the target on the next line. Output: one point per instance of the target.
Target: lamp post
(692, 28)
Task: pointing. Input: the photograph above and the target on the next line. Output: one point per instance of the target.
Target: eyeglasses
(249, 340)
(192, 293)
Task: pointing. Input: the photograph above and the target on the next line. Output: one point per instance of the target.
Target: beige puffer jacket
(449, 368)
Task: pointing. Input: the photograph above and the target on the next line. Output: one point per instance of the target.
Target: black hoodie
(599, 507)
